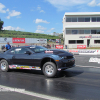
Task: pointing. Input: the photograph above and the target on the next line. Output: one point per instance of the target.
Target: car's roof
(25, 46)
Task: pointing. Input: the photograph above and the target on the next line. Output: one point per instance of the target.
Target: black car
(37, 58)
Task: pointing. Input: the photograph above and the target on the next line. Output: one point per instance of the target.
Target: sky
(41, 16)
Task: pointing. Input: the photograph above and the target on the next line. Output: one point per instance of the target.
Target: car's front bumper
(63, 68)
(65, 64)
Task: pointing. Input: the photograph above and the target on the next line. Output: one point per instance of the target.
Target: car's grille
(69, 57)
(70, 63)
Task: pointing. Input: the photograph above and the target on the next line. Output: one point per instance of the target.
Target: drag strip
(74, 83)
(78, 83)
(84, 60)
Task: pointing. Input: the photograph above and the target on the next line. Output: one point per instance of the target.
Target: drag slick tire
(49, 69)
(4, 66)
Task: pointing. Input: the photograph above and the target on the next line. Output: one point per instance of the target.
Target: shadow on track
(27, 71)
(65, 73)
(68, 73)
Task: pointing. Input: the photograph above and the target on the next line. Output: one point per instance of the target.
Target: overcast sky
(41, 16)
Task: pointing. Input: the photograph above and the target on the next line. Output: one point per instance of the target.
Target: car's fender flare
(48, 59)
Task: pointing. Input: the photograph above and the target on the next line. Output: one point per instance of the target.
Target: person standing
(8, 46)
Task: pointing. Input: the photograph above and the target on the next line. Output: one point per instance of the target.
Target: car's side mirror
(27, 52)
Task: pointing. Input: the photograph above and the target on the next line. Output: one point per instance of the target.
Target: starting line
(87, 66)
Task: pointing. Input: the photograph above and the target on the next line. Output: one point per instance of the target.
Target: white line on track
(87, 66)
(33, 94)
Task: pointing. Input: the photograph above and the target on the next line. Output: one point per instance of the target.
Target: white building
(82, 28)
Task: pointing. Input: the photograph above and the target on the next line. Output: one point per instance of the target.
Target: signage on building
(89, 37)
(18, 40)
(59, 46)
(81, 46)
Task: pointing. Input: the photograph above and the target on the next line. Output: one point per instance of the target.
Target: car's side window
(20, 50)
(12, 51)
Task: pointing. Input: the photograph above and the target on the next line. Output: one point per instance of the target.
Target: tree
(1, 24)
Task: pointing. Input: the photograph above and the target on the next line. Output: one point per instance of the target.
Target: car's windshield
(38, 49)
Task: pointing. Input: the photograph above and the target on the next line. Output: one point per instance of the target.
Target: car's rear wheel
(49, 69)
(4, 65)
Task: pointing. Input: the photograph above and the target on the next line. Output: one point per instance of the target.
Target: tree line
(20, 34)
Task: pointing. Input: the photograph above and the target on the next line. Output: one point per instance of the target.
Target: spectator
(55, 46)
(8, 46)
(66, 46)
(3, 47)
(18, 46)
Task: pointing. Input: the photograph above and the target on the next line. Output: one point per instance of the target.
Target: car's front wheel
(4, 65)
(49, 69)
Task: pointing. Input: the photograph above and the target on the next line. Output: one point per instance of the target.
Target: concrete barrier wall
(84, 51)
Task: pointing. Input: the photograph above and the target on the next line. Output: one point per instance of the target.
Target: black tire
(4, 66)
(51, 71)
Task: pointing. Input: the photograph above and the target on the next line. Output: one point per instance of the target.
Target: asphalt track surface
(79, 83)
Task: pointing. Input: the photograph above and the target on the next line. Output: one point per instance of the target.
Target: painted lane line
(92, 59)
(87, 66)
(33, 94)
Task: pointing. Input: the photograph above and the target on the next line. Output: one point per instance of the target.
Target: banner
(18, 40)
(59, 46)
(81, 46)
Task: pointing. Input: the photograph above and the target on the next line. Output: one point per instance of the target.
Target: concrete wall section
(5, 40)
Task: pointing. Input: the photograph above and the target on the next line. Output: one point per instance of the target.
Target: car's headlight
(64, 57)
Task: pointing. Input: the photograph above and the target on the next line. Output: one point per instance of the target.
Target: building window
(80, 19)
(81, 32)
(68, 31)
(87, 19)
(72, 41)
(68, 19)
(86, 31)
(80, 41)
(74, 19)
(96, 41)
(98, 31)
(74, 31)
(94, 19)
(98, 19)
(76, 41)
(93, 31)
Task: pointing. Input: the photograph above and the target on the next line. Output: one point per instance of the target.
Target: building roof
(82, 13)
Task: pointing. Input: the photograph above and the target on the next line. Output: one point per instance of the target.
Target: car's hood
(59, 52)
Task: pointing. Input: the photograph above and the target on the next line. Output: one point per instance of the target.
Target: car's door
(20, 58)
